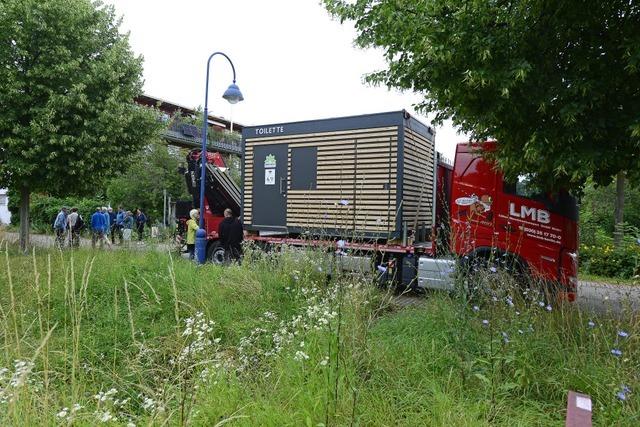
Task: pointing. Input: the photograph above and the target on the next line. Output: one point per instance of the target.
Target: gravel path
(47, 241)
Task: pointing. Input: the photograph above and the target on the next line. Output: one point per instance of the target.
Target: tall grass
(126, 338)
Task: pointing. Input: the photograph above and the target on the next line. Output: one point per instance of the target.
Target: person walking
(74, 232)
(141, 219)
(192, 227)
(231, 236)
(107, 223)
(127, 228)
(112, 224)
(117, 230)
(97, 227)
(60, 227)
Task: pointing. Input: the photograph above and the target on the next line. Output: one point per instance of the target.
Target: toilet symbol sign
(270, 170)
(269, 177)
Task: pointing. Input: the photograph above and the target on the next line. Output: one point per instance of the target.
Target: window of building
(304, 168)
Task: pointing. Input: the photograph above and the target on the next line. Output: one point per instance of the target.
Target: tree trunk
(618, 233)
(24, 218)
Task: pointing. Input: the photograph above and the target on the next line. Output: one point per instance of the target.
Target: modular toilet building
(359, 176)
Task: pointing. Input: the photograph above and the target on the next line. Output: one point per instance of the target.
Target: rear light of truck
(568, 275)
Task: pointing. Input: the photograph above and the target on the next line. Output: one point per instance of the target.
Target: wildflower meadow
(133, 339)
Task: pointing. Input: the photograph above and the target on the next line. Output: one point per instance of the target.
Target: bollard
(578, 410)
(201, 246)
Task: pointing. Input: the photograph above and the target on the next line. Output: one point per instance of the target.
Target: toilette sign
(269, 177)
(270, 170)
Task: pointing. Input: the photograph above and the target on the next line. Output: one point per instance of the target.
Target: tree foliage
(68, 79)
(596, 222)
(151, 171)
(556, 83)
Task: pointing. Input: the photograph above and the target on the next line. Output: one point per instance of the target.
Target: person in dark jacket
(141, 219)
(117, 229)
(231, 236)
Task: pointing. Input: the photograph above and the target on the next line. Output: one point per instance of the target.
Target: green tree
(68, 79)
(152, 171)
(556, 83)
(597, 225)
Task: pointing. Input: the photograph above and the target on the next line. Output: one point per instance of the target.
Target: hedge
(608, 261)
(43, 209)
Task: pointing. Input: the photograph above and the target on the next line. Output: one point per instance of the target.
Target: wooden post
(578, 410)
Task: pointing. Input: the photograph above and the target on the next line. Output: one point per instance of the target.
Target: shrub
(606, 260)
(43, 209)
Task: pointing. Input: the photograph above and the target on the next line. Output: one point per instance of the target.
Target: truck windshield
(561, 203)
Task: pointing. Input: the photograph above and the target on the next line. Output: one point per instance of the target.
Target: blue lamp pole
(233, 95)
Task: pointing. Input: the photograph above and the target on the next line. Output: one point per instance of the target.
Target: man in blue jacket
(98, 225)
(60, 226)
(107, 223)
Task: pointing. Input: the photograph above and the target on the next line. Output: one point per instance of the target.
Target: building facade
(5, 215)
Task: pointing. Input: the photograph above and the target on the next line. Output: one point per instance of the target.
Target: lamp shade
(233, 94)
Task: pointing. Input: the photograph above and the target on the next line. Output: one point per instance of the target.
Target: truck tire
(482, 265)
(215, 254)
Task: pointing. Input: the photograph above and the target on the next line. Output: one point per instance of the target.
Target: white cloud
(293, 62)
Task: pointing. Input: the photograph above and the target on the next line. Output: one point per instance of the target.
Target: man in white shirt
(74, 233)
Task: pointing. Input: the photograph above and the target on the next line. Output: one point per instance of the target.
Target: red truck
(477, 216)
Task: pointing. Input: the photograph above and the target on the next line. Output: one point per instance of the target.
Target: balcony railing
(190, 136)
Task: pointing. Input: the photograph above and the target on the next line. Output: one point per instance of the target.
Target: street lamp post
(233, 95)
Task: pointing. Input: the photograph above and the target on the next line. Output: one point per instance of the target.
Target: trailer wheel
(215, 254)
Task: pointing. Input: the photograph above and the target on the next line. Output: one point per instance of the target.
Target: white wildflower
(104, 416)
(300, 356)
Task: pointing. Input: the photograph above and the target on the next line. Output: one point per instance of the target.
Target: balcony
(190, 136)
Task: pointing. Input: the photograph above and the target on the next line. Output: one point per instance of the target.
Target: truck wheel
(215, 254)
(488, 270)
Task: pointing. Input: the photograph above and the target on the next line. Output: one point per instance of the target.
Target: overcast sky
(293, 61)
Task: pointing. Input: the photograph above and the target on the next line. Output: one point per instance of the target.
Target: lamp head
(233, 94)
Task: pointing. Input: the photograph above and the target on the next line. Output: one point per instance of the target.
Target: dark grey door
(270, 185)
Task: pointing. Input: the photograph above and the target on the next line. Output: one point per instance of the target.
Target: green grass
(288, 347)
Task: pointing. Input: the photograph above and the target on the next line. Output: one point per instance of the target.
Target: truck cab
(490, 216)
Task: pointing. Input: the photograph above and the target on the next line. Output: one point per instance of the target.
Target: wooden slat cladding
(417, 180)
(356, 181)
(247, 205)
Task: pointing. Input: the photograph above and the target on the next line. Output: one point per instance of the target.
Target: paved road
(603, 297)
(599, 297)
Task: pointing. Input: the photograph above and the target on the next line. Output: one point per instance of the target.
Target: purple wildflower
(622, 393)
(485, 322)
(616, 352)
(548, 307)
(476, 308)
(591, 324)
(623, 334)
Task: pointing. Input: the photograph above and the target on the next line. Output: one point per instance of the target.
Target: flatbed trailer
(375, 185)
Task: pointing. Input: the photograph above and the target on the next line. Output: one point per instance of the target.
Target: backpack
(79, 224)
